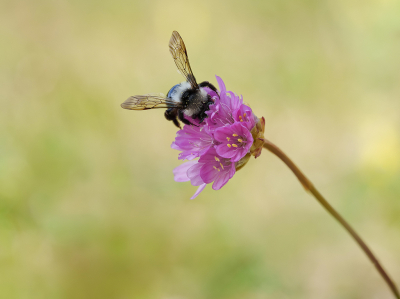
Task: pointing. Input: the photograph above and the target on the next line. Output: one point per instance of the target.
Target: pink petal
(239, 154)
(187, 156)
(221, 84)
(174, 146)
(224, 178)
(221, 180)
(224, 151)
(180, 172)
(220, 134)
(209, 156)
(201, 188)
(208, 173)
(194, 174)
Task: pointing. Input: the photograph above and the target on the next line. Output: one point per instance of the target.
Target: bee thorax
(187, 101)
(194, 102)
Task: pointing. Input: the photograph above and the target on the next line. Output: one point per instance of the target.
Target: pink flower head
(222, 142)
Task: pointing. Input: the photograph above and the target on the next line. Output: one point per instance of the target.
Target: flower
(210, 168)
(216, 169)
(193, 141)
(235, 141)
(223, 142)
(245, 116)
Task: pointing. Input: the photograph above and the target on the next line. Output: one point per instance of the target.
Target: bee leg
(206, 107)
(176, 123)
(203, 114)
(171, 114)
(209, 85)
(182, 118)
(202, 117)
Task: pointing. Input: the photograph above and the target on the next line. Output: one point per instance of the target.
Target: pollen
(215, 168)
(229, 145)
(240, 140)
(216, 159)
(234, 135)
(234, 145)
(228, 138)
(222, 166)
(244, 114)
(240, 117)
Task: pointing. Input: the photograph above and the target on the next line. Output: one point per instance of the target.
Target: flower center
(243, 118)
(220, 166)
(236, 142)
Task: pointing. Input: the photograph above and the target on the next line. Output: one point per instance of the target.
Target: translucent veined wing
(149, 101)
(178, 51)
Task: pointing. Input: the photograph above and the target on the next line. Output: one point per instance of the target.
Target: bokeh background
(88, 204)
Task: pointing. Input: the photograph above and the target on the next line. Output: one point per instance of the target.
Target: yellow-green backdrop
(88, 204)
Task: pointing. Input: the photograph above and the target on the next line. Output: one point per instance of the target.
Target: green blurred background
(88, 204)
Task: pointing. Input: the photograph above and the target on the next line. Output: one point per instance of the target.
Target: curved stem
(310, 188)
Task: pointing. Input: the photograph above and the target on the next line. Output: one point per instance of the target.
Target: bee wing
(148, 101)
(178, 51)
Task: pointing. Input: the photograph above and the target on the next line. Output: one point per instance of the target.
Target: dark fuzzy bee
(184, 100)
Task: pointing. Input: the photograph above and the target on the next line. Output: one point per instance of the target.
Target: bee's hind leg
(176, 123)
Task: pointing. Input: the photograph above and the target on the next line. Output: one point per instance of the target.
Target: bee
(186, 99)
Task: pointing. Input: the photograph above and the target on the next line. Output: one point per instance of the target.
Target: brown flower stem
(310, 188)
